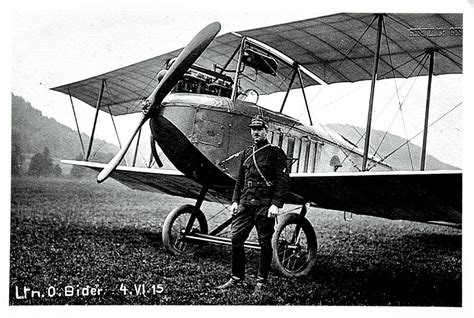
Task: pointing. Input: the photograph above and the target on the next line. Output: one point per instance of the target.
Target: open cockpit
(254, 73)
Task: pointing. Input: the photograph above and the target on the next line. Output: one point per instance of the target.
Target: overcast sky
(47, 43)
(54, 43)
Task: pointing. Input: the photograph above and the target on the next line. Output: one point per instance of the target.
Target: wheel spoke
(284, 259)
(174, 226)
(293, 246)
(176, 241)
(296, 260)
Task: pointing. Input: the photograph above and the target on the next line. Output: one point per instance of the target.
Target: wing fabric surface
(157, 180)
(424, 196)
(337, 48)
(429, 196)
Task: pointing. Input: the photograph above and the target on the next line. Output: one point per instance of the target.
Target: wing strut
(99, 101)
(237, 72)
(77, 123)
(136, 147)
(372, 93)
(431, 52)
(304, 95)
(289, 88)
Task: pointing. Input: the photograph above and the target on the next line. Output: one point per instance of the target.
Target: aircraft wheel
(294, 254)
(174, 227)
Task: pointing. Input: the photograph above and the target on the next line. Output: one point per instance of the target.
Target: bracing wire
(420, 63)
(357, 42)
(403, 64)
(107, 91)
(98, 148)
(361, 135)
(401, 104)
(420, 132)
(109, 94)
(391, 61)
(346, 153)
(115, 127)
(102, 142)
(339, 98)
(449, 58)
(340, 64)
(226, 207)
(444, 49)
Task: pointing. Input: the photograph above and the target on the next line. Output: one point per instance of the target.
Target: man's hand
(273, 211)
(234, 207)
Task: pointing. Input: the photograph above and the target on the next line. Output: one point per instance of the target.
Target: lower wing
(425, 196)
(158, 180)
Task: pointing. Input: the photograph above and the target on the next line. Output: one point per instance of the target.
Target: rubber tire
(312, 243)
(168, 227)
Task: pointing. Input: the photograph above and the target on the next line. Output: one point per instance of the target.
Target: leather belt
(251, 184)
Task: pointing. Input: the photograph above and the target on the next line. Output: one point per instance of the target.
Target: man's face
(258, 133)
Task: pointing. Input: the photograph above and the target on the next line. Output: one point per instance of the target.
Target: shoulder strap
(268, 183)
(255, 151)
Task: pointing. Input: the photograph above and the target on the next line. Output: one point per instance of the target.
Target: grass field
(68, 234)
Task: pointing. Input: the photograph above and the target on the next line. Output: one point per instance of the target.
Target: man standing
(262, 184)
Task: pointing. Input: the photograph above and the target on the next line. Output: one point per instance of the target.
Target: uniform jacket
(251, 188)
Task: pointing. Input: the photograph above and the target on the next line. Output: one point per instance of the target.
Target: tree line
(35, 144)
(41, 164)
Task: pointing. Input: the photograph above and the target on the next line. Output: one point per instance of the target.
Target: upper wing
(341, 47)
(337, 48)
(425, 196)
(157, 180)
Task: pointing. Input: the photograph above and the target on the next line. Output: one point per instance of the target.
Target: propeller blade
(185, 59)
(104, 174)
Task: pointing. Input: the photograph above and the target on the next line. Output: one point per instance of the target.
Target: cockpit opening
(254, 73)
(259, 61)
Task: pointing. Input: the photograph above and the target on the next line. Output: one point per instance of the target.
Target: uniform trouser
(246, 218)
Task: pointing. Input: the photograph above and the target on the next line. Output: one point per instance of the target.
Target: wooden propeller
(185, 59)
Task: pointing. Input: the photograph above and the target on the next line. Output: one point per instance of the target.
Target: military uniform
(251, 188)
(255, 191)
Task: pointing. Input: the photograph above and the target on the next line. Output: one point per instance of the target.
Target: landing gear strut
(174, 229)
(182, 221)
(294, 241)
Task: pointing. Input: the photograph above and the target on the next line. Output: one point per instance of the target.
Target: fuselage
(196, 131)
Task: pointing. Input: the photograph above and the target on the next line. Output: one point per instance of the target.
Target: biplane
(199, 100)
